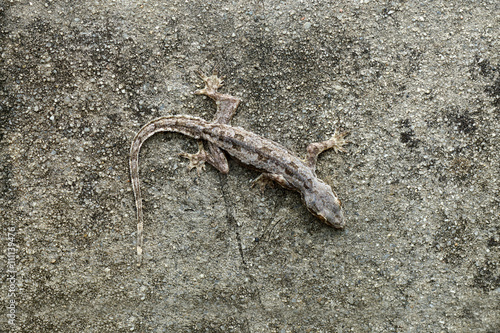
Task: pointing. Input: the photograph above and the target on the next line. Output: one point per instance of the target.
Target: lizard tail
(190, 126)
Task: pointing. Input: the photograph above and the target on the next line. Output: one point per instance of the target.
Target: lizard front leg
(263, 181)
(314, 149)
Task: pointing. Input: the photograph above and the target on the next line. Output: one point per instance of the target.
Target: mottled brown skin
(275, 161)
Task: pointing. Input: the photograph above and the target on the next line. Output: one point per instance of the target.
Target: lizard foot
(262, 181)
(212, 83)
(226, 104)
(196, 160)
(336, 143)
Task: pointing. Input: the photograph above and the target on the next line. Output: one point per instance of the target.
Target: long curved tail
(187, 125)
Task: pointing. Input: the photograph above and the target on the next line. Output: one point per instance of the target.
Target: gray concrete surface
(417, 84)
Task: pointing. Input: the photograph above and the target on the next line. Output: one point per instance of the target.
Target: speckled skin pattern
(274, 161)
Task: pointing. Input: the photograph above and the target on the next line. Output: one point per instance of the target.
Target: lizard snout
(325, 205)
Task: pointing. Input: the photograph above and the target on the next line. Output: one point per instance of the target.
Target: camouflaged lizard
(276, 162)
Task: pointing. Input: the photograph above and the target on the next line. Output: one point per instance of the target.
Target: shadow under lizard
(276, 162)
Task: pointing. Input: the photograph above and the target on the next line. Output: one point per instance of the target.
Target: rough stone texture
(416, 83)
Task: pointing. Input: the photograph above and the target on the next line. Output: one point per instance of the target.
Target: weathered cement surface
(416, 83)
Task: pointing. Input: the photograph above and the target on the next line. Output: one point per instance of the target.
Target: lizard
(274, 161)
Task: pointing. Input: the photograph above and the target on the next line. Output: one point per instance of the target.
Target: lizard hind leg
(215, 158)
(212, 83)
(196, 160)
(226, 104)
(336, 142)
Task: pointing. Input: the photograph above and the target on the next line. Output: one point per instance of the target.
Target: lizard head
(322, 202)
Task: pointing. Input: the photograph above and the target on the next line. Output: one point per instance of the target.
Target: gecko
(275, 162)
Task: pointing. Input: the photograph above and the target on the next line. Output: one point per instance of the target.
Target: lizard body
(275, 161)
